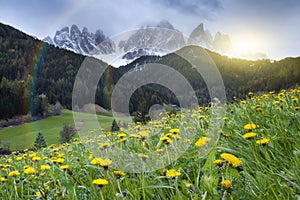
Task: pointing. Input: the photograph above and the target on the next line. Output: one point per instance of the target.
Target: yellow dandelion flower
(250, 126)
(144, 133)
(231, 159)
(263, 141)
(19, 158)
(36, 158)
(122, 140)
(102, 162)
(165, 139)
(172, 173)
(201, 117)
(188, 185)
(95, 161)
(100, 182)
(3, 179)
(143, 156)
(174, 130)
(38, 194)
(29, 170)
(202, 141)
(295, 99)
(218, 162)
(105, 162)
(119, 174)
(45, 167)
(160, 151)
(121, 135)
(31, 155)
(224, 134)
(26, 166)
(194, 115)
(14, 173)
(168, 135)
(259, 109)
(65, 167)
(104, 145)
(133, 135)
(249, 135)
(57, 160)
(226, 184)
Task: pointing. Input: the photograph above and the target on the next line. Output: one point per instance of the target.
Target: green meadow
(23, 136)
(256, 156)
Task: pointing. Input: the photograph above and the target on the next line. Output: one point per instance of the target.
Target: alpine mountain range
(159, 40)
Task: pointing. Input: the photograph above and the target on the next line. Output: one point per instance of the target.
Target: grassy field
(256, 156)
(23, 136)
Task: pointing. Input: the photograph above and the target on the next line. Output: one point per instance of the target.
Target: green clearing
(23, 136)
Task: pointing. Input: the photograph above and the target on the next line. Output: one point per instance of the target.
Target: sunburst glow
(249, 45)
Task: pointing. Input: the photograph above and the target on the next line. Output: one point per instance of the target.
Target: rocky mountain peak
(165, 24)
(85, 30)
(75, 33)
(200, 36)
(157, 39)
(63, 30)
(82, 42)
(153, 40)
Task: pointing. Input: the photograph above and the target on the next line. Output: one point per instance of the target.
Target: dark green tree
(40, 141)
(67, 133)
(114, 126)
(141, 117)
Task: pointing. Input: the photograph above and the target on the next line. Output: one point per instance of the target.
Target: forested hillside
(240, 76)
(30, 68)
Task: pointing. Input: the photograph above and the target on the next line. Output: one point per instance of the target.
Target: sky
(269, 26)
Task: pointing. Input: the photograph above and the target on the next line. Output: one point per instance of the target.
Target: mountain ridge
(158, 39)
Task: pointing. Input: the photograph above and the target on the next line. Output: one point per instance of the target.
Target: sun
(247, 43)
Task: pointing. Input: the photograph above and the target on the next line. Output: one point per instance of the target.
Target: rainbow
(64, 16)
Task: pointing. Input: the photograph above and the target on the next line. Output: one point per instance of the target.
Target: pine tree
(114, 126)
(141, 117)
(40, 141)
(67, 133)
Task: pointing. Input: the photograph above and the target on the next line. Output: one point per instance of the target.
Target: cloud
(204, 8)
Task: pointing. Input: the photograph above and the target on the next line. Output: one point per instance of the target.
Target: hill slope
(256, 157)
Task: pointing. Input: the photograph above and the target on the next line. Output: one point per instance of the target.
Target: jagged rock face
(201, 37)
(83, 42)
(153, 40)
(222, 42)
(159, 39)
